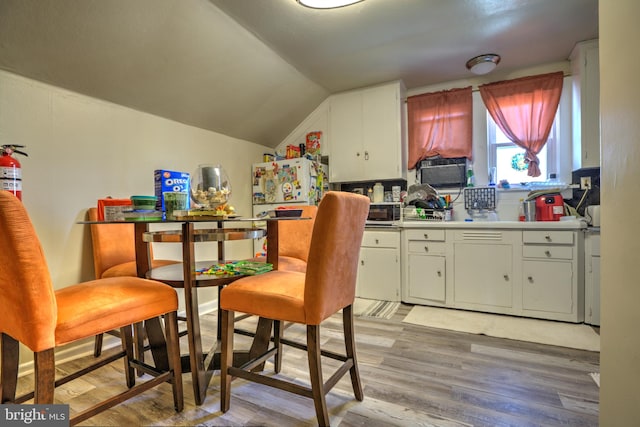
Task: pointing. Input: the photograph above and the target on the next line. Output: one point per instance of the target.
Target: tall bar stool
(327, 287)
(114, 256)
(41, 318)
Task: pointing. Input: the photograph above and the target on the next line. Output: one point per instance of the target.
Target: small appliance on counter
(549, 207)
(549, 204)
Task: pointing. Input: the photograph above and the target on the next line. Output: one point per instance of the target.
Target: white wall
(82, 149)
(620, 197)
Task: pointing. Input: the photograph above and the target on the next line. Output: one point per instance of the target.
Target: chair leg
(315, 374)
(45, 376)
(97, 345)
(226, 358)
(138, 337)
(277, 337)
(350, 348)
(126, 335)
(9, 360)
(173, 351)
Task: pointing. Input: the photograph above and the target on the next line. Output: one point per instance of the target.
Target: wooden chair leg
(315, 374)
(45, 376)
(173, 351)
(350, 348)
(9, 360)
(138, 337)
(97, 345)
(226, 359)
(126, 335)
(277, 337)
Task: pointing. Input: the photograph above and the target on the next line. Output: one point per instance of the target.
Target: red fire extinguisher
(10, 171)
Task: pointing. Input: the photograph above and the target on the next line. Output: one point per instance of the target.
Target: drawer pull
(426, 248)
(426, 236)
(506, 277)
(530, 279)
(547, 253)
(439, 273)
(377, 242)
(361, 262)
(548, 238)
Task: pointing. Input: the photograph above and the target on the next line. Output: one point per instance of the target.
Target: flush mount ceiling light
(483, 64)
(327, 4)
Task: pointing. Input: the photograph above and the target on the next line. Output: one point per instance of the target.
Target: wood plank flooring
(412, 376)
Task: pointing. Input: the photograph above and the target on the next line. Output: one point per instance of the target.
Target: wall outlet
(585, 183)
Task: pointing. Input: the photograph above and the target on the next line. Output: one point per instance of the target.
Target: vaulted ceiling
(254, 69)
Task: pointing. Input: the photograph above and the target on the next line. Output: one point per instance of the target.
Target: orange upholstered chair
(294, 239)
(114, 256)
(305, 298)
(41, 318)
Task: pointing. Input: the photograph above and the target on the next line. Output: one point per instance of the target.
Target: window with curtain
(440, 124)
(508, 158)
(524, 110)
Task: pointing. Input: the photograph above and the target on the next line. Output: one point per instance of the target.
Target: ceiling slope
(254, 69)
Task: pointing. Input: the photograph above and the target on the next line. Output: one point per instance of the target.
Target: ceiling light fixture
(327, 4)
(483, 64)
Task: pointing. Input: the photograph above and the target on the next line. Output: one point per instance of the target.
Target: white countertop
(533, 225)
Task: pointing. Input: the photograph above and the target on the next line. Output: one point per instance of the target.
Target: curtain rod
(476, 89)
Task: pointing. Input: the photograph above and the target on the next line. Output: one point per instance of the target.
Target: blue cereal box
(165, 181)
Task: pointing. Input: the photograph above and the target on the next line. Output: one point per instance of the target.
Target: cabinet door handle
(547, 253)
(506, 277)
(366, 155)
(530, 279)
(358, 154)
(361, 262)
(426, 236)
(377, 242)
(548, 238)
(439, 273)
(426, 248)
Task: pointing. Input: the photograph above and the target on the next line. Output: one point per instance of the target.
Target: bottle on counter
(378, 193)
(470, 177)
(521, 210)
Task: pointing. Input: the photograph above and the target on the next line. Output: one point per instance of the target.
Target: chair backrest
(28, 303)
(330, 281)
(294, 237)
(113, 244)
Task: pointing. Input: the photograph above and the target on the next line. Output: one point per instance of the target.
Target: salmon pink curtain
(439, 124)
(524, 109)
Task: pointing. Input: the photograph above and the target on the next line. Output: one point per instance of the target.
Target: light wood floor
(412, 376)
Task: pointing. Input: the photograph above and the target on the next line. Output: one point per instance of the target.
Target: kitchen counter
(515, 225)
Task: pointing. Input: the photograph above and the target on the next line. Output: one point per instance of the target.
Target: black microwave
(385, 213)
(440, 173)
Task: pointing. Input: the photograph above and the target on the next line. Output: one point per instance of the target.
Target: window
(508, 158)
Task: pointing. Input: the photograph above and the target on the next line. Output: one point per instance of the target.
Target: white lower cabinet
(552, 278)
(483, 268)
(425, 271)
(532, 273)
(379, 265)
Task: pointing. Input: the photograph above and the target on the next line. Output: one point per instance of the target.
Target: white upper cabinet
(367, 134)
(586, 104)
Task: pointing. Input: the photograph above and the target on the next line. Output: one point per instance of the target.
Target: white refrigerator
(287, 182)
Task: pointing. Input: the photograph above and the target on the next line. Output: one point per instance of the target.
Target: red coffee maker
(549, 207)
